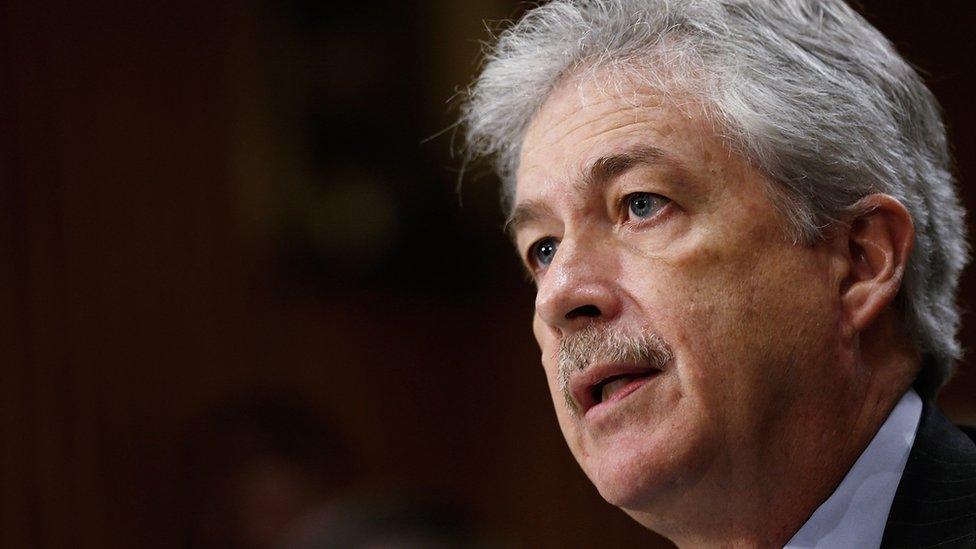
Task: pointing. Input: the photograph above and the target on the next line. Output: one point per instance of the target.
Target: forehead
(583, 121)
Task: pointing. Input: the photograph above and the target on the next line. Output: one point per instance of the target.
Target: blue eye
(645, 204)
(544, 250)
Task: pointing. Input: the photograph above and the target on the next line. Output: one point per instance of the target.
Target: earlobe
(880, 236)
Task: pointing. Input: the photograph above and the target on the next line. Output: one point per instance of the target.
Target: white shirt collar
(856, 513)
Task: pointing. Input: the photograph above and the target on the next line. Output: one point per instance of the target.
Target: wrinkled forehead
(620, 85)
(588, 119)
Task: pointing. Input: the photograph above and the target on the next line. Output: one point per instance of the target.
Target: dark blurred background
(238, 283)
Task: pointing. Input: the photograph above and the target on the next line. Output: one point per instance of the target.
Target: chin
(647, 471)
(631, 482)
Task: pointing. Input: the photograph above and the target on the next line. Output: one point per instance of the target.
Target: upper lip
(582, 384)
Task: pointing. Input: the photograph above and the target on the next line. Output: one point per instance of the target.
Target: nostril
(588, 311)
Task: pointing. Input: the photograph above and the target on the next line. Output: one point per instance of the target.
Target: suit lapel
(935, 505)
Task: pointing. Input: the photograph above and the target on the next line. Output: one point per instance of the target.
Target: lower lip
(622, 393)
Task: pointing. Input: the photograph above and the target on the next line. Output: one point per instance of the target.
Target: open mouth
(618, 386)
(610, 384)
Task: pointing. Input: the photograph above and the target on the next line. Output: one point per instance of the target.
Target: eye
(644, 205)
(542, 252)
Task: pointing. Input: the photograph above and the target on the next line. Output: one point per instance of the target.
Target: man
(746, 242)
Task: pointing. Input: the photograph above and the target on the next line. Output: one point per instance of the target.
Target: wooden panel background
(138, 286)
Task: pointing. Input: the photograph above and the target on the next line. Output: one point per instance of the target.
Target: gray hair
(580, 350)
(807, 90)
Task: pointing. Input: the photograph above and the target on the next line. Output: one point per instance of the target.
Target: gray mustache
(600, 343)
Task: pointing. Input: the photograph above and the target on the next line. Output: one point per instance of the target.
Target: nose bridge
(579, 284)
(583, 261)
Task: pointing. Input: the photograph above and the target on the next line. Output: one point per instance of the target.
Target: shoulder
(968, 430)
(935, 505)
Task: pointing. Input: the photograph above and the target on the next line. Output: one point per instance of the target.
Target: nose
(579, 287)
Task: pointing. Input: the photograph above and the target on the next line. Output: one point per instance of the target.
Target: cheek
(547, 348)
(548, 345)
(739, 317)
(539, 331)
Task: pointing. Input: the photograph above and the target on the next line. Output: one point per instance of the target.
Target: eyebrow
(607, 168)
(600, 172)
(525, 213)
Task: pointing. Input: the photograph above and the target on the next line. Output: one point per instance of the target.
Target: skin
(784, 367)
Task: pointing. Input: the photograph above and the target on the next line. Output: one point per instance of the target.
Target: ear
(879, 239)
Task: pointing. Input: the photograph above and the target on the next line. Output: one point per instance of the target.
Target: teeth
(612, 387)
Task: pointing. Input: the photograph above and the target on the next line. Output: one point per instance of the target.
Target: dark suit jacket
(935, 505)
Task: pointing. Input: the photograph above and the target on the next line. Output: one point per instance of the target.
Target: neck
(763, 492)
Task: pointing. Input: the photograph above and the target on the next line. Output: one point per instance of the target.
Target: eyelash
(623, 207)
(530, 253)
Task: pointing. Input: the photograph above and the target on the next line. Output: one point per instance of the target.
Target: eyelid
(624, 206)
(530, 263)
(528, 256)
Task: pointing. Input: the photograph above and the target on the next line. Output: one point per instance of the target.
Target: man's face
(683, 332)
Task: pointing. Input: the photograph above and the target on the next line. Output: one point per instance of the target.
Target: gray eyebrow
(610, 167)
(525, 213)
